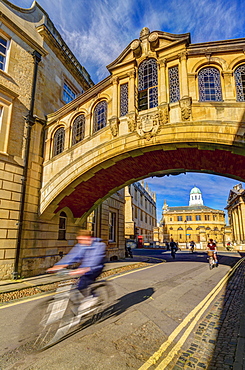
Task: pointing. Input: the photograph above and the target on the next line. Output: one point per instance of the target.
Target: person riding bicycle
(90, 252)
(192, 245)
(212, 250)
(173, 247)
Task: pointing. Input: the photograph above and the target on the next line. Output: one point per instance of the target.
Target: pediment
(148, 43)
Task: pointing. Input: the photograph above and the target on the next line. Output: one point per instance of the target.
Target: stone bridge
(167, 107)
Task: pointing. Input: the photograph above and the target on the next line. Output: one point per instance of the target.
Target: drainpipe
(30, 121)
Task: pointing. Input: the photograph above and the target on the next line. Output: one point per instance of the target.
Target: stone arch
(236, 63)
(210, 62)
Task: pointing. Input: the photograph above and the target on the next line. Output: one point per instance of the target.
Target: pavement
(7, 286)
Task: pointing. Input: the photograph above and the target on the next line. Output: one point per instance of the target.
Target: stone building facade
(38, 74)
(193, 222)
(162, 94)
(236, 213)
(140, 212)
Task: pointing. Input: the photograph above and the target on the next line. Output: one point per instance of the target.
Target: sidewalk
(7, 286)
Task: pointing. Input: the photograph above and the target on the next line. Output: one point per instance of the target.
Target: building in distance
(193, 222)
(236, 214)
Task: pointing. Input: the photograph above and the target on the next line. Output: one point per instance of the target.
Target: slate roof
(190, 209)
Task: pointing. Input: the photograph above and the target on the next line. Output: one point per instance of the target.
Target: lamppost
(185, 222)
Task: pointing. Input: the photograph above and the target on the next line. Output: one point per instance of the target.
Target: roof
(191, 209)
(195, 190)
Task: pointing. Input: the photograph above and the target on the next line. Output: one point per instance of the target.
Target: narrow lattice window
(148, 85)
(78, 129)
(209, 84)
(3, 52)
(112, 226)
(62, 226)
(240, 83)
(100, 115)
(123, 99)
(174, 91)
(59, 140)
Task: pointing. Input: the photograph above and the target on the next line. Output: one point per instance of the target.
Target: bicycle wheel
(211, 264)
(106, 294)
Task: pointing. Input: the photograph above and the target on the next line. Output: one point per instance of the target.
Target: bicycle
(211, 261)
(57, 316)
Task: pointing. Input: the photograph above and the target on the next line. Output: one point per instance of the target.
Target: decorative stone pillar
(228, 92)
(131, 91)
(241, 224)
(184, 75)
(162, 90)
(114, 121)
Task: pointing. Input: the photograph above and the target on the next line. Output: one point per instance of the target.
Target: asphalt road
(150, 305)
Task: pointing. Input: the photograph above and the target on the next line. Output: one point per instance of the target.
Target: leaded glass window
(174, 91)
(147, 88)
(123, 99)
(3, 52)
(209, 84)
(59, 140)
(78, 129)
(100, 115)
(240, 83)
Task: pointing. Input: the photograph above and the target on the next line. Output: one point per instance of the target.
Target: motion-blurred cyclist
(212, 250)
(90, 252)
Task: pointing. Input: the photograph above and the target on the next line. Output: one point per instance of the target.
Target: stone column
(184, 76)
(114, 110)
(162, 89)
(241, 224)
(228, 92)
(131, 92)
(233, 225)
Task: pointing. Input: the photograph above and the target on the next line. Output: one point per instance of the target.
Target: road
(152, 304)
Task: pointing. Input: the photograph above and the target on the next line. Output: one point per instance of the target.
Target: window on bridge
(209, 84)
(174, 91)
(240, 82)
(123, 99)
(148, 85)
(59, 140)
(78, 129)
(100, 115)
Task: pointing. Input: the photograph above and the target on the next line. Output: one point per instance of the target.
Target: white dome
(195, 197)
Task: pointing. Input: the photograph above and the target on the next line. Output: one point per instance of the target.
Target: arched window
(78, 129)
(189, 228)
(209, 84)
(180, 228)
(240, 83)
(62, 226)
(59, 140)
(100, 115)
(148, 81)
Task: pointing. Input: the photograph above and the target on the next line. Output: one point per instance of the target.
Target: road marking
(53, 293)
(201, 307)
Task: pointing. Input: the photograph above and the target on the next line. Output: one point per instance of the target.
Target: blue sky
(97, 31)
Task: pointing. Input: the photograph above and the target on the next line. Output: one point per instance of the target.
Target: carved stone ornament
(185, 107)
(131, 118)
(163, 111)
(114, 126)
(148, 125)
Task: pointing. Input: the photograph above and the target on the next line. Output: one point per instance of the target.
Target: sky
(97, 31)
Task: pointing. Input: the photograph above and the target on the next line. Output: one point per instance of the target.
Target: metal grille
(78, 129)
(209, 85)
(100, 115)
(59, 139)
(123, 99)
(148, 82)
(240, 83)
(174, 91)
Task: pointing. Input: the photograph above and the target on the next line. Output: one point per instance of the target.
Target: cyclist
(212, 250)
(90, 252)
(173, 247)
(192, 245)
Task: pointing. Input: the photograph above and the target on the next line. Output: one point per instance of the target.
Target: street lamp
(185, 222)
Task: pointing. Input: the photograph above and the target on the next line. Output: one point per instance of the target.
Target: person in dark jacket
(90, 253)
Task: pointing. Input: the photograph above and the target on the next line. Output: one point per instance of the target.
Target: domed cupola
(195, 197)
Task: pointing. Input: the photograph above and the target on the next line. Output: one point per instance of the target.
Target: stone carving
(185, 106)
(131, 122)
(114, 126)
(163, 111)
(148, 125)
